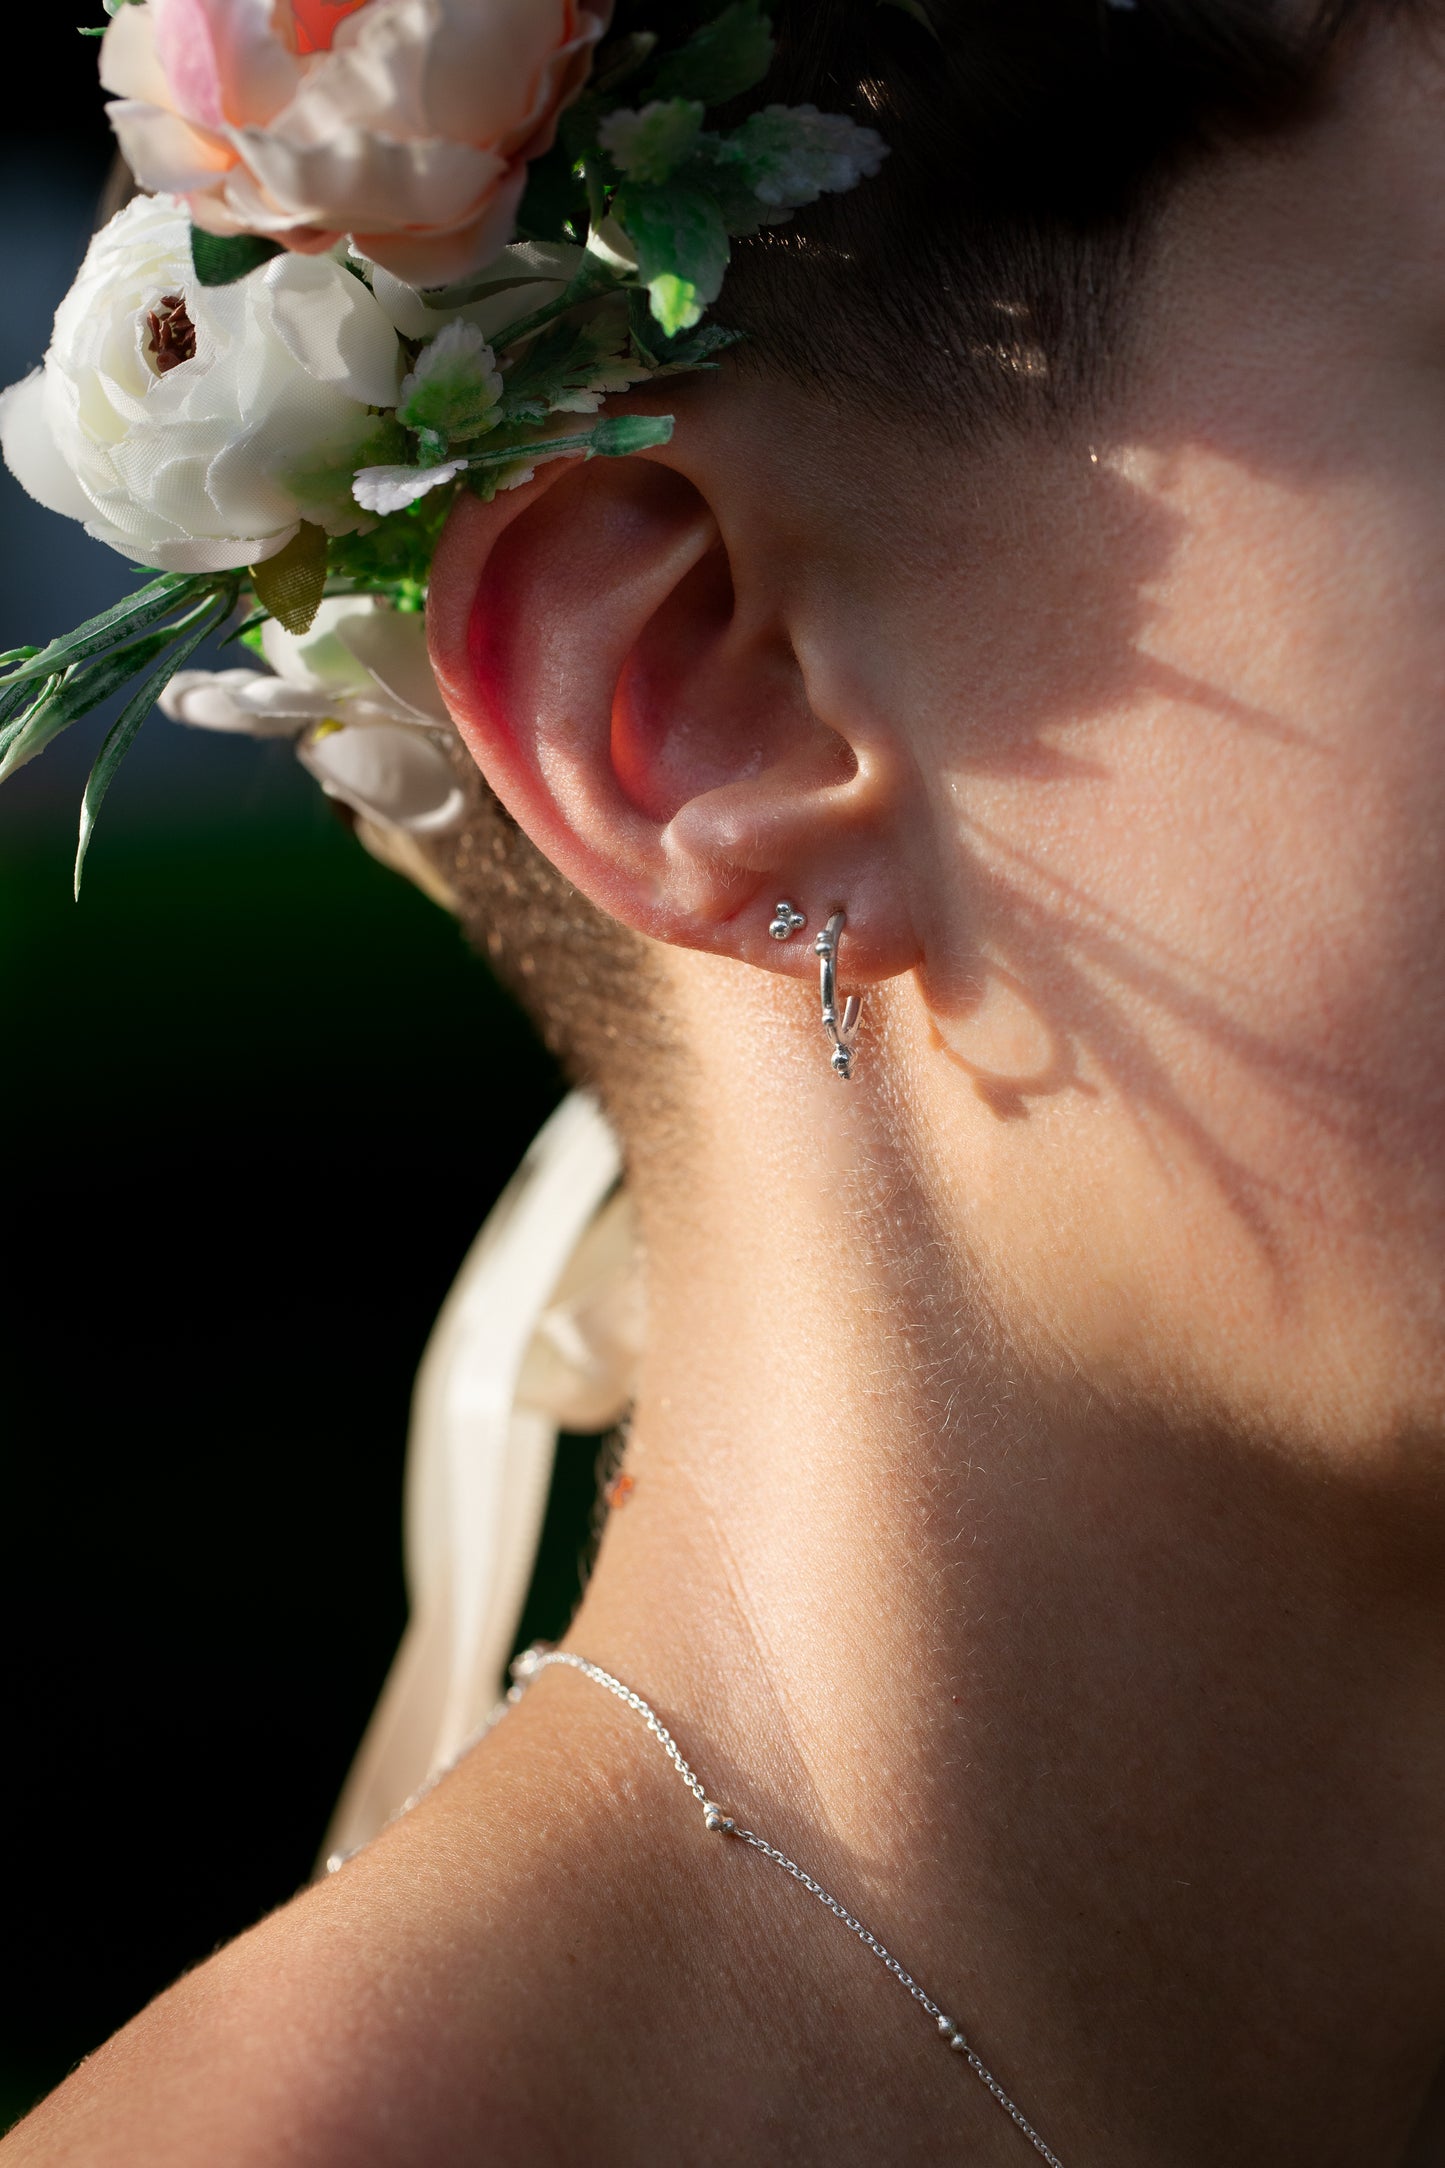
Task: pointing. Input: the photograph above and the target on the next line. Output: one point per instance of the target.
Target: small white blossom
(358, 696)
(394, 776)
(392, 489)
(241, 703)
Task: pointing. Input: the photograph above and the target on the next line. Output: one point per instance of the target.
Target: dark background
(258, 1097)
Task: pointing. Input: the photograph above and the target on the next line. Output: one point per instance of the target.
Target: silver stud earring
(787, 918)
(840, 1029)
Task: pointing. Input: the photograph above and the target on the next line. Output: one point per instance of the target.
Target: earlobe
(633, 696)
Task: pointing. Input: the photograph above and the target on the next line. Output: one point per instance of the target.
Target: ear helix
(842, 1028)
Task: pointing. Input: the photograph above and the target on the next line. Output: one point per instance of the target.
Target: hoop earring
(840, 1029)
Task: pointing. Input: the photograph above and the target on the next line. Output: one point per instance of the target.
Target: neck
(1124, 1733)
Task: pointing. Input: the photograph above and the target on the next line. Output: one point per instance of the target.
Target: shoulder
(369, 2023)
(487, 1980)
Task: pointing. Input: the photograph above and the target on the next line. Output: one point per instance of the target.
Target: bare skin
(1039, 1512)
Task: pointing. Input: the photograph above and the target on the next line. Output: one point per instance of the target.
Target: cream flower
(193, 427)
(406, 124)
(357, 694)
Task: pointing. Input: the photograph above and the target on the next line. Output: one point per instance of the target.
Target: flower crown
(390, 250)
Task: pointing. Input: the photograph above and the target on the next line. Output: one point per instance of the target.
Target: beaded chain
(535, 1660)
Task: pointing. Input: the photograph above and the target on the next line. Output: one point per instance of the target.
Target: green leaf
(568, 359)
(721, 176)
(122, 735)
(612, 438)
(651, 144)
(691, 350)
(723, 59)
(221, 259)
(14, 716)
(577, 132)
(454, 388)
(622, 58)
(619, 434)
(290, 585)
(160, 597)
(393, 558)
(75, 694)
(646, 336)
(466, 291)
(791, 155)
(248, 632)
(13, 699)
(524, 449)
(675, 302)
(542, 363)
(592, 279)
(682, 250)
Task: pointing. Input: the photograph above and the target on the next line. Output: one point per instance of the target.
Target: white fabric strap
(540, 1333)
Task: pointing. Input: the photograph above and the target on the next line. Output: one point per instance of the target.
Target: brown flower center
(173, 335)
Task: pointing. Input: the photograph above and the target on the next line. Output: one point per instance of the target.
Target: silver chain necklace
(534, 1660)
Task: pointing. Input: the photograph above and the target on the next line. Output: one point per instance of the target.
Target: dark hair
(985, 272)
(988, 266)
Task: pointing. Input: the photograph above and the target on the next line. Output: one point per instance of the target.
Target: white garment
(540, 1333)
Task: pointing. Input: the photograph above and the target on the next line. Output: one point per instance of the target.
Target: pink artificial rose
(406, 125)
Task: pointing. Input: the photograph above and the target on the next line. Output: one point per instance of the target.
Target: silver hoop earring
(787, 918)
(840, 1029)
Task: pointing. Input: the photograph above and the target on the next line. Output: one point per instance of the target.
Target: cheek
(1275, 820)
(1224, 903)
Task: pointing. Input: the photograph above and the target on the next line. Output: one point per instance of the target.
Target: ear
(626, 676)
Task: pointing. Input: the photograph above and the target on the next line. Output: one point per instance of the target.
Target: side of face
(1124, 746)
(1189, 774)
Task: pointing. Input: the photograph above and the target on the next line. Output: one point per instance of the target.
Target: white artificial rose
(357, 694)
(193, 427)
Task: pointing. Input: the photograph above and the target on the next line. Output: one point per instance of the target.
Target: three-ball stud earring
(787, 918)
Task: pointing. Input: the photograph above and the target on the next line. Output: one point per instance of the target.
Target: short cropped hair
(989, 265)
(986, 272)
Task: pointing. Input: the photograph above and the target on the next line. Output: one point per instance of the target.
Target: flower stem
(593, 280)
